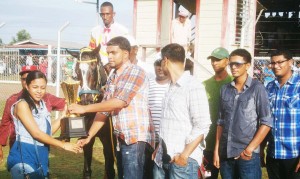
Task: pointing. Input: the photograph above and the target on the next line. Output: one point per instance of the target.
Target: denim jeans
(17, 171)
(239, 168)
(131, 160)
(174, 171)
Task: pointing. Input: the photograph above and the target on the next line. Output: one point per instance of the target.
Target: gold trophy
(72, 126)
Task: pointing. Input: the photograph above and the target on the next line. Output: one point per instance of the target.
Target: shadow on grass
(66, 165)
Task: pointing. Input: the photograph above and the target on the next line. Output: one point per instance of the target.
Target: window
(242, 17)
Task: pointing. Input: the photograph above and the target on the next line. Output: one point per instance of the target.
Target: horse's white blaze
(84, 69)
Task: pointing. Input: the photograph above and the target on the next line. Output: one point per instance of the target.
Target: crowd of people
(169, 123)
(47, 64)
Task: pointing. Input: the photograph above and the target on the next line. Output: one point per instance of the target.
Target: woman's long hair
(25, 95)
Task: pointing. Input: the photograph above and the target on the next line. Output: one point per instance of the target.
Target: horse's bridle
(95, 93)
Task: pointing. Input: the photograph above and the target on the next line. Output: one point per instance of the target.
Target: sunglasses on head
(236, 64)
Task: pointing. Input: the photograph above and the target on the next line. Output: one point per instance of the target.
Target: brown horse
(92, 76)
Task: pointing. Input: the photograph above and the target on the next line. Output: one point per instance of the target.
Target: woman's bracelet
(247, 155)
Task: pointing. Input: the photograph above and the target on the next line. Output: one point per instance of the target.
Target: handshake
(76, 147)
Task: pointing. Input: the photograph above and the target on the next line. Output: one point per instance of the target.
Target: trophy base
(72, 127)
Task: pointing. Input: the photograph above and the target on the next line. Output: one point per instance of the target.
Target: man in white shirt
(181, 29)
(157, 90)
(185, 120)
(100, 35)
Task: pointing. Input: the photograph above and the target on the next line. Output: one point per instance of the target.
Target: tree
(21, 36)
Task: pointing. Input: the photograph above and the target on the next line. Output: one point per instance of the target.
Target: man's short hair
(105, 4)
(242, 53)
(157, 62)
(173, 52)
(121, 42)
(286, 53)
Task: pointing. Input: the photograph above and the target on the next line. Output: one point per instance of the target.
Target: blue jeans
(17, 170)
(131, 161)
(245, 169)
(174, 171)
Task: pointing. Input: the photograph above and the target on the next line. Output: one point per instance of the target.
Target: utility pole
(58, 58)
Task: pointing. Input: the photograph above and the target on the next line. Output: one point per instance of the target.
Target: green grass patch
(65, 165)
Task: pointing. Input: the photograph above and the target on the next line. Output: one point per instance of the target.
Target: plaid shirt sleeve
(130, 84)
(199, 114)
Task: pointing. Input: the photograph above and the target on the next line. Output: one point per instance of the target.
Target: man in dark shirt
(7, 125)
(219, 62)
(244, 121)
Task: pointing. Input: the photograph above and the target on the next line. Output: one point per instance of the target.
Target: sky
(43, 18)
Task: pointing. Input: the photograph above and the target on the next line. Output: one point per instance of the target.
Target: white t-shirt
(100, 35)
(181, 33)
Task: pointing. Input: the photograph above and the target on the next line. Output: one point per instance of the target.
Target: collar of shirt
(295, 78)
(182, 81)
(247, 83)
(123, 67)
(108, 29)
(115, 73)
(292, 80)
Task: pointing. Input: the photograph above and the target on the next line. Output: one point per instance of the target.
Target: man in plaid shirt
(284, 142)
(126, 99)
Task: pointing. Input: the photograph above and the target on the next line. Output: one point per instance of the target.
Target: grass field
(66, 165)
(63, 165)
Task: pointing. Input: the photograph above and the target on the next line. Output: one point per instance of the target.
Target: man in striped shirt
(157, 90)
(284, 95)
